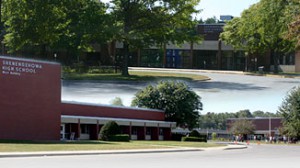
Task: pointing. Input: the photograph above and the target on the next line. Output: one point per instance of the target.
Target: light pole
(55, 56)
(270, 125)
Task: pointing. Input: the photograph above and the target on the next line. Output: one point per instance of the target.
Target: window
(85, 129)
(161, 131)
(134, 131)
(148, 131)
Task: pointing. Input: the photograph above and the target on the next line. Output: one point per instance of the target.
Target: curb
(83, 153)
(184, 70)
(113, 152)
(232, 147)
(213, 71)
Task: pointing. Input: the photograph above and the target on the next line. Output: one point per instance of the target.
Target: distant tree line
(212, 120)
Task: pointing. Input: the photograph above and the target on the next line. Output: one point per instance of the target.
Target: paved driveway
(233, 92)
(255, 156)
(223, 93)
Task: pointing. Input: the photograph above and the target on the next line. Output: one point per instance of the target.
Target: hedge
(119, 138)
(194, 139)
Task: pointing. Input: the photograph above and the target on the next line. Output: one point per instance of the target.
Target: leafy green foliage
(109, 129)
(119, 138)
(211, 20)
(262, 28)
(117, 101)
(179, 102)
(194, 139)
(242, 127)
(290, 110)
(294, 27)
(56, 24)
(33, 22)
(194, 133)
(214, 136)
(147, 23)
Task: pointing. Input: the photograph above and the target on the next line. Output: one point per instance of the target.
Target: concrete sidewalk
(184, 70)
(109, 152)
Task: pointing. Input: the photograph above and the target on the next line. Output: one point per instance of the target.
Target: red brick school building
(31, 108)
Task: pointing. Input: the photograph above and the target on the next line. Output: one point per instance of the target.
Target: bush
(119, 138)
(177, 137)
(214, 136)
(194, 133)
(109, 129)
(80, 67)
(194, 139)
(67, 69)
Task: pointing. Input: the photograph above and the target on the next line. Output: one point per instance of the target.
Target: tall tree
(211, 20)
(244, 114)
(262, 28)
(87, 23)
(57, 24)
(180, 103)
(144, 23)
(290, 110)
(117, 101)
(36, 23)
(242, 126)
(294, 27)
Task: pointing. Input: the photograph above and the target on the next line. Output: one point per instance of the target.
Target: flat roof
(117, 119)
(258, 118)
(28, 60)
(111, 106)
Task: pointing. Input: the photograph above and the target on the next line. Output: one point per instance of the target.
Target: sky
(216, 8)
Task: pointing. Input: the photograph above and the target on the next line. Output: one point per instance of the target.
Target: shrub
(194, 139)
(67, 69)
(177, 137)
(109, 129)
(214, 136)
(194, 133)
(119, 138)
(80, 67)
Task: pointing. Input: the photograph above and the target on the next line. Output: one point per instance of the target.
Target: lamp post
(270, 125)
(55, 56)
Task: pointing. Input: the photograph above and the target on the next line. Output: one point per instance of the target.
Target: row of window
(85, 129)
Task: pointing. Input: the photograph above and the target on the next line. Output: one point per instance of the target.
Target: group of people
(278, 139)
(269, 139)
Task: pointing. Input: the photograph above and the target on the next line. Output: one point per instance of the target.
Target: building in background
(264, 127)
(211, 53)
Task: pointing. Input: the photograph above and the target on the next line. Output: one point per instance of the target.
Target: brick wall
(30, 97)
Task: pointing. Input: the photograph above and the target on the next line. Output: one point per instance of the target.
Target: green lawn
(27, 146)
(134, 76)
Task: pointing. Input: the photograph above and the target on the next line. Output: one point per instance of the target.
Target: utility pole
(270, 125)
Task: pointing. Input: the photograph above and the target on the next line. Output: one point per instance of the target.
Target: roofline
(212, 24)
(117, 119)
(260, 118)
(111, 106)
(29, 60)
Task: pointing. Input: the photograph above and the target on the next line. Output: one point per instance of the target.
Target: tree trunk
(126, 6)
(275, 59)
(125, 60)
(191, 55)
(44, 51)
(165, 56)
